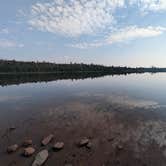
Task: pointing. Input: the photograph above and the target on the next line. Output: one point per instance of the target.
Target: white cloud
(150, 5)
(74, 17)
(86, 45)
(123, 35)
(134, 32)
(9, 44)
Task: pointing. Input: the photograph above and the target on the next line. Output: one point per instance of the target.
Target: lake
(124, 117)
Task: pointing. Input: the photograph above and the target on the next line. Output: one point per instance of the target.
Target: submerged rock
(47, 139)
(40, 158)
(89, 145)
(27, 142)
(28, 151)
(12, 128)
(84, 142)
(12, 148)
(58, 146)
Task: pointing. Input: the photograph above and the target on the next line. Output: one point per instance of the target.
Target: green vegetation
(16, 67)
(14, 72)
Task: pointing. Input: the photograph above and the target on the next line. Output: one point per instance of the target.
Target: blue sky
(109, 32)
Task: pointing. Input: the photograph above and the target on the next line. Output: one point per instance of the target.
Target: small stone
(40, 158)
(84, 142)
(58, 146)
(12, 148)
(47, 139)
(28, 151)
(119, 147)
(89, 145)
(12, 128)
(27, 142)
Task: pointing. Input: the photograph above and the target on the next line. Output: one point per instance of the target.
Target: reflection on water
(131, 109)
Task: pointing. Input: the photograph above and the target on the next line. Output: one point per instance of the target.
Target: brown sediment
(123, 137)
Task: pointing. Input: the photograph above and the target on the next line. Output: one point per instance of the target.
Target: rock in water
(40, 158)
(27, 142)
(28, 151)
(89, 145)
(47, 139)
(12, 148)
(58, 146)
(84, 142)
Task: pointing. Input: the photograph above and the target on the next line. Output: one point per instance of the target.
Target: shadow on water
(21, 78)
(15, 79)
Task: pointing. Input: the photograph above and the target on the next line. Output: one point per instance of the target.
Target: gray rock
(58, 146)
(40, 158)
(47, 139)
(84, 142)
(28, 151)
(12, 148)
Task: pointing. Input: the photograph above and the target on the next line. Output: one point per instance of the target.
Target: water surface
(128, 109)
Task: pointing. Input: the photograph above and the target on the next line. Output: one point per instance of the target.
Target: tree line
(12, 66)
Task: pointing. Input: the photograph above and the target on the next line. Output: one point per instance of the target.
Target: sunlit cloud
(74, 18)
(125, 34)
(149, 5)
(134, 32)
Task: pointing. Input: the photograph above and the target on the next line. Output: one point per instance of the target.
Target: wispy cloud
(74, 17)
(123, 35)
(149, 5)
(134, 32)
(10, 44)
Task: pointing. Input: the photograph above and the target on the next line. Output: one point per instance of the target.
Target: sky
(109, 32)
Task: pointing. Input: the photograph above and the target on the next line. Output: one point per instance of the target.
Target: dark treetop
(45, 67)
(14, 72)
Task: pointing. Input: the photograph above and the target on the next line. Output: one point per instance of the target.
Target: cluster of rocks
(42, 156)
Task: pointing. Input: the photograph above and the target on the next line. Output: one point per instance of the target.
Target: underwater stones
(27, 142)
(47, 139)
(40, 158)
(58, 146)
(83, 142)
(12, 148)
(28, 151)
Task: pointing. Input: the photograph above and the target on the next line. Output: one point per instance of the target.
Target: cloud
(4, 31)
(134, 32)
(149, 5)
(86, 45)
(122, 35)
(74, 17)
(9, 44)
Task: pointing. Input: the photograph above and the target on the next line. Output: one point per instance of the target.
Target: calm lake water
(129, 98)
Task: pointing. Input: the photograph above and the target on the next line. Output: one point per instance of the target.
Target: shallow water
(131, 108)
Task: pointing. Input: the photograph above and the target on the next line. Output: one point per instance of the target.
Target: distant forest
(14, 67)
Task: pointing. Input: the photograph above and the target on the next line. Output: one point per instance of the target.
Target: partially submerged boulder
(40, 158)
(58, 146)
(12, 148)
(47, 139)
(28, 151)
